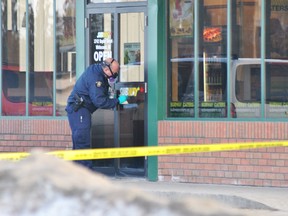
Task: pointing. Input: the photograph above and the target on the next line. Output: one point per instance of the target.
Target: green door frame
(156, 77)
(156, 67)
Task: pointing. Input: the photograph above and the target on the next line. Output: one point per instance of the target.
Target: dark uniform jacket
(93, 87)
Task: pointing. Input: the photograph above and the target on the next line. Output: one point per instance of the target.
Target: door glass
(101, 37)
(132, 47)
(131, 116)
(101, 47)
(124, 126)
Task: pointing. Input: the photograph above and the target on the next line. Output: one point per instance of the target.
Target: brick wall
(256, 167)
(28, 134)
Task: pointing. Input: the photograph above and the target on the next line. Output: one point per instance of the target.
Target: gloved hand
(122, 99)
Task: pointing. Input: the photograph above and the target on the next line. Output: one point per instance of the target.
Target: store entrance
(118, 31)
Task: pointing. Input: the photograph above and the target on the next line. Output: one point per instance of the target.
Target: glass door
(120, 35)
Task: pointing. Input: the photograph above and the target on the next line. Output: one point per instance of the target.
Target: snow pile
(42, 185)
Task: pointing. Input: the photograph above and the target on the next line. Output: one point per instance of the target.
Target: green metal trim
(156, 30)
(80, 35)
(229, 54)
(1, 47)
(196, 58)
(161, 71)
(263, 56)
(54, 58)
(27, 59)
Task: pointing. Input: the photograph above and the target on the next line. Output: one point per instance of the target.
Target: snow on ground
(43, 185)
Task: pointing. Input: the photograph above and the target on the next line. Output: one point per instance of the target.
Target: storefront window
(212, 60)
(181, 74)
(65, 52)
(40, 59)
(28, 41)
(248, 28)
(213, 66)
(246, 81)
(248, 88)
(246, 74)
(277, 70)
(247, 98)
(276, 90)
(13, 57)
(247, 68)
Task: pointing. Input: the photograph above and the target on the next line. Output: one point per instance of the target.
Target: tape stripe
(125, 152)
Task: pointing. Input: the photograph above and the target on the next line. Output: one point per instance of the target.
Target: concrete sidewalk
(262, 201)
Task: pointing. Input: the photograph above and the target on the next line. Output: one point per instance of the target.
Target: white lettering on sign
(103, 46)
(101, 55)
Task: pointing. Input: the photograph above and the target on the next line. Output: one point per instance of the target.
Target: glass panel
(41, 43)
(181, 53)
(277, 48)
(247, 90)
(132, 47)
(276, 30)
(131, 116)
(101, 46)
(65, 52)
(213, 67)
(13, 57)
(277, 90)
(248, 16)
(101, 37)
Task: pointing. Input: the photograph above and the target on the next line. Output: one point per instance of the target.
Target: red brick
(261, 160)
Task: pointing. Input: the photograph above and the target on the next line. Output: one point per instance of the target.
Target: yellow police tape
(125, 152)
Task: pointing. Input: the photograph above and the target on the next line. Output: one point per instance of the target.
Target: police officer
(91, 92)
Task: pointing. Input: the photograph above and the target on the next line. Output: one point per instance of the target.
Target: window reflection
(65, 52)
(181, 74)
(41, 42)
(277, 31)
(31, 30)
(13, 58)
(248, 20)
(213, 67)
(247, 90)
(247, 97)
(277, 89)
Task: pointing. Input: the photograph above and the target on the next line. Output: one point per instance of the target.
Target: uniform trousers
(80, 124)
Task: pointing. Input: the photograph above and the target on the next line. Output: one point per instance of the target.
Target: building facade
(195, 72)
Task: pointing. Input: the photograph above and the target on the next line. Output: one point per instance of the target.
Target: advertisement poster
(181, 17)
(132, 54)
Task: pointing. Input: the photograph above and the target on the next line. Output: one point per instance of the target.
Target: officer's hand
(122, 99)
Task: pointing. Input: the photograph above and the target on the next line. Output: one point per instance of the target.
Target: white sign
(103, 46)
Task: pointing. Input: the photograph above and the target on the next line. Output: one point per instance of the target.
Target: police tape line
(125, 152)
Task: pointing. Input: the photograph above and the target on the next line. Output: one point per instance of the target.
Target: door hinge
(146, 21)
(86, 22)
(145, 87)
